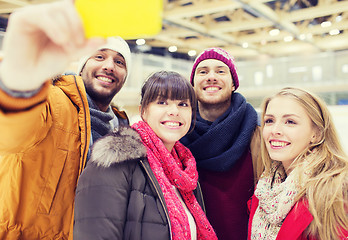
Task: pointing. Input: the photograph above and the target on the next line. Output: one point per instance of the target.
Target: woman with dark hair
(141, 182)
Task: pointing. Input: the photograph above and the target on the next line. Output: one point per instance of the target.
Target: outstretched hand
(40, 42)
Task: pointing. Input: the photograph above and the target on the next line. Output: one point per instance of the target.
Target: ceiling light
(140, 42)
(274, 32)
(334, 32)
(192, 53)
(338, 18)
(288, 38)
(245, 45)
(172, 49)
(325, 24)
(302, 36)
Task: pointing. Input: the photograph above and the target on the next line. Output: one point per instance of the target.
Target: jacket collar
(119, 146)
(296, 221)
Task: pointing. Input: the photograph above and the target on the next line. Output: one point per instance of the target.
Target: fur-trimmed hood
(117, 147)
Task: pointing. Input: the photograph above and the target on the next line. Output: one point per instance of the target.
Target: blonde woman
(303, 192)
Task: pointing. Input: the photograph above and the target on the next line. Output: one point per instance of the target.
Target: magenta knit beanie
(218, 54)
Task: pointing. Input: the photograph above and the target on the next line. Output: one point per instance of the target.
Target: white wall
(340, 118)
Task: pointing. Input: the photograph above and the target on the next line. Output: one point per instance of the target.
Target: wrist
(17, 93)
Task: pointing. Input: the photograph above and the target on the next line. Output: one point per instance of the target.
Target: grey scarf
(101, 122)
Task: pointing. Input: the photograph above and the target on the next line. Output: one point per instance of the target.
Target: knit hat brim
(116, 44)
(218, 54)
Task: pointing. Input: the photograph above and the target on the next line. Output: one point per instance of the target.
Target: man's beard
(104, 99)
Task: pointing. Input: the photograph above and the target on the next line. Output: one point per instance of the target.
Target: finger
(90, 46)
(76, 24)
(62, 25)
(41, 20)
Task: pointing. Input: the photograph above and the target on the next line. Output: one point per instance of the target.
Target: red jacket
(294, 224)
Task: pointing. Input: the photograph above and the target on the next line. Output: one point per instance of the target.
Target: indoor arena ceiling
(246, 28)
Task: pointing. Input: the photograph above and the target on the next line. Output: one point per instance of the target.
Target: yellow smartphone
(128, 19)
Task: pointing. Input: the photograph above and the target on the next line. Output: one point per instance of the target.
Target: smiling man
(46, 126)
(104, 74)
(225, 143)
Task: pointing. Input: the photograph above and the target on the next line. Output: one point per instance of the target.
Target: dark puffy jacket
(118, 196)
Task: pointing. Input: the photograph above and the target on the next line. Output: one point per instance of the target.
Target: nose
(276, 129)
(109, 65)
(211, 76)
(173, 109)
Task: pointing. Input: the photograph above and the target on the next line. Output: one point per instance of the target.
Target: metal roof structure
(246, 28)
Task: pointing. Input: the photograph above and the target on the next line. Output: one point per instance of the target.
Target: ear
(233, 88)
(316, 136)
(141, 112)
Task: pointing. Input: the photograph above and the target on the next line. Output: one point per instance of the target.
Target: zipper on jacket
(160, 195)
(85, 121)
(199, 191)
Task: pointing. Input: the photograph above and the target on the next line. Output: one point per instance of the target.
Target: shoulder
(118, 147)
(114, 161)
(70, 87)
(65, 79)
(121, 115)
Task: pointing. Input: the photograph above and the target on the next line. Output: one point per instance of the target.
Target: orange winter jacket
(43, 147)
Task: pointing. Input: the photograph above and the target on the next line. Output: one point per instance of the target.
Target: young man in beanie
(46, 126)
(224, 143)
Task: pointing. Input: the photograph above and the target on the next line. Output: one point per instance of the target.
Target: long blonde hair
(324, 164)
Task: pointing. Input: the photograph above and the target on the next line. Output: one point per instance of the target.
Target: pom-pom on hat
(116, 44)
(218, 54)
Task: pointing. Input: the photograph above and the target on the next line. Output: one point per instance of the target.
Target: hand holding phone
(128, 19)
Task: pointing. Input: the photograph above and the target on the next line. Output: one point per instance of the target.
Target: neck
(288, 169)
(211, 112)
(102, 107)
(169, 147)
(102, 104)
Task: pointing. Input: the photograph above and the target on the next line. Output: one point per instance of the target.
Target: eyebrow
(221, 66)
(106, 49)
(284, 116)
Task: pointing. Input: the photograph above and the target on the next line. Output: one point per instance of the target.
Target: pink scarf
(177, 168)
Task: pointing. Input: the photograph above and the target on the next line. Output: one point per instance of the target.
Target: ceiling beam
(200, 9)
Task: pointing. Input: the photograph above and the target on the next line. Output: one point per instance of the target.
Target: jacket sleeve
(101, 202)
(23, 120)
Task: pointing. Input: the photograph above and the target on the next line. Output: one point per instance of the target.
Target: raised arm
(40, 42)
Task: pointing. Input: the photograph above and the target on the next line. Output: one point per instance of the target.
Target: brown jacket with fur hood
(118, 195)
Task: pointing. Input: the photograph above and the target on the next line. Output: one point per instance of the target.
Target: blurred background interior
(301, 43)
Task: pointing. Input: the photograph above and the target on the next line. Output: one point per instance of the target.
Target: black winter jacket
(118, 195)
